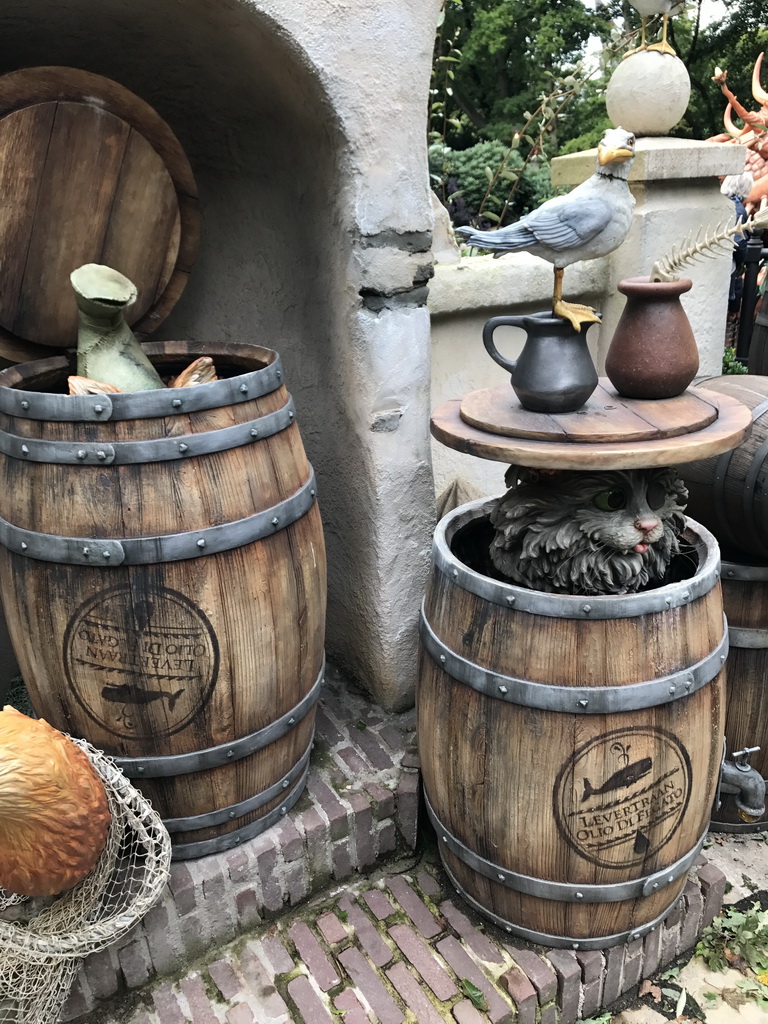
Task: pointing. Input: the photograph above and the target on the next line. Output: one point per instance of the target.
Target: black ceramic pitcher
(555, 372)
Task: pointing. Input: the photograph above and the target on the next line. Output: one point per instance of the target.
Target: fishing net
(43, 941)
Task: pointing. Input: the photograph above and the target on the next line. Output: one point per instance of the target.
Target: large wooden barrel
(570, 746)
(745, 598)
(163, 576)
(729, 493)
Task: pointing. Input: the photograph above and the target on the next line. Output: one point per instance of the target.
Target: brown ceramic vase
(653, 353)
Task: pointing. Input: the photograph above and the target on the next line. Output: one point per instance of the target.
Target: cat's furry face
(587, 533)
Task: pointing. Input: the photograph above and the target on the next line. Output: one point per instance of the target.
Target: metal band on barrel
(564, 606)
(163, 449)
(557, 941)
(190, 851)
(722, 465)
(745, 573)
(163, 767)
(225, 814)
(749, 639)
(588, 700)
(141, 405)
(563, 892)
(169, 547)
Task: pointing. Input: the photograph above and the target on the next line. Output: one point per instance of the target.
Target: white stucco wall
(305, 124)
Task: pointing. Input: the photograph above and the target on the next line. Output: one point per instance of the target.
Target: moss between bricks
(210, 986)
(321, 754)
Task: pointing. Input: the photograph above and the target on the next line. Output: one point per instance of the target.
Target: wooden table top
(608, 432)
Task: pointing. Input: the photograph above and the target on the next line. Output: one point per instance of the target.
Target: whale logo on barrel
(620, 779)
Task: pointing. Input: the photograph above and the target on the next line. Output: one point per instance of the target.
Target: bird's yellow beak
(613, 156)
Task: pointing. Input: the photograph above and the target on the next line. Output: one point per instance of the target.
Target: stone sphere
(648, 93)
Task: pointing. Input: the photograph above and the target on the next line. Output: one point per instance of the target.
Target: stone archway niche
(304, 124)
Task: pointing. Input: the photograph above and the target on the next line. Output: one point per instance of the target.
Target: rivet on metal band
(213, 757)
(591, 700)
(737, 573)
(233, 811)
(189, 851)
(557, 941)
(141, 405)
(565, 606)
(162, 449)
(564, 892)
(171, 547)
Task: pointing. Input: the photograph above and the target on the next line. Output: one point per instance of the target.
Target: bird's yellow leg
(642, 45)
(576, 313)
(663, 46)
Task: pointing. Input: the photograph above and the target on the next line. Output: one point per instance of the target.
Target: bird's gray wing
(569, 224)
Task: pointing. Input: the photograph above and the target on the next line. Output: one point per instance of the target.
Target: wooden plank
(40, 84)
(674, 416)
(730, 428)
(605, 417)
(78, 180)
(140, 240)
(24, 140)
(498, 411)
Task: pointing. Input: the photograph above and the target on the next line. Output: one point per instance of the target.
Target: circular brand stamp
(620, 797)
(141, 667)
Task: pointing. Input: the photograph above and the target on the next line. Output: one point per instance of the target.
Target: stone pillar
(676, 185)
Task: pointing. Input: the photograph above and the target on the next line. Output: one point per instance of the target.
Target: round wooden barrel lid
(606, 417)
(591, 440)
(89, 173)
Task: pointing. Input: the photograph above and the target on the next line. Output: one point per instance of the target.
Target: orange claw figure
(754, 134)
(54, 815)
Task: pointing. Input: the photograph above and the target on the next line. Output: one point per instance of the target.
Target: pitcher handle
(490, 327)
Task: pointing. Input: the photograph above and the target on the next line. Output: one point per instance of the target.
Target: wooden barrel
(758, 346)
(570, 746)
(729, 493)
(163, 577)
(745, 598)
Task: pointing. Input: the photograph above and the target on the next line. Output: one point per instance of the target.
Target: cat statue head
(587, 532)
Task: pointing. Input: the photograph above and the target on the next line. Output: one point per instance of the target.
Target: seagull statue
(647, 8)
(589, 222)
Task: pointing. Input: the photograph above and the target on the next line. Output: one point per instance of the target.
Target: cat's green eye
(610, 501)
(656, 494)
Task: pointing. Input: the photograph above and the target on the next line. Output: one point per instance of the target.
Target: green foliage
(587, 140)
(734, 935)
(472, 172)
(473, 993)
(731, 364)
(756, 990)
(510, 49)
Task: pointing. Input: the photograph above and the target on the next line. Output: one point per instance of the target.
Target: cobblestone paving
(399, 947)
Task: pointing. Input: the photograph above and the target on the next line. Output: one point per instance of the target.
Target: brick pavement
(402, 947)
(360, 808)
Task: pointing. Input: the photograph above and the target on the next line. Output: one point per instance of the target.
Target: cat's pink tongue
(640, 548)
